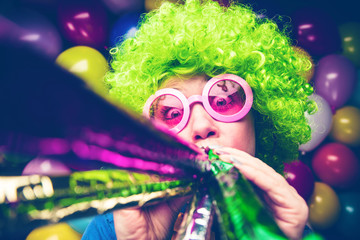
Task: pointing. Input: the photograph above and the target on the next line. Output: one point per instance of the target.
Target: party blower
(117, 160)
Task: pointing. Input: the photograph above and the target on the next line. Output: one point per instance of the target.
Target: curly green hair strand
(204, 38)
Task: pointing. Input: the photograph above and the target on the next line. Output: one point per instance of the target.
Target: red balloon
(299, 176)
(83, 23)
(336, 165)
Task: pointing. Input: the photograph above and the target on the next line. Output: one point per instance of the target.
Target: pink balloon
(334, 79)
(45, 166)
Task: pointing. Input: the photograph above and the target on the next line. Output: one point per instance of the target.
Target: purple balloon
(8, 29)
(119, 6)
(316, 32)
(30, 29)
(45, 166)
(334, 79)
(83, 23)
(299, 176)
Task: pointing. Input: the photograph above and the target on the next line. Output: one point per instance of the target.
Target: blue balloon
(126, 26)
(80, 224)
(349, 219)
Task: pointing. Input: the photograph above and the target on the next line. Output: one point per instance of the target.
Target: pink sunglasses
(227, 98)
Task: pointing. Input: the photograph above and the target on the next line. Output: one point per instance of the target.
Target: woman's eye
(221, 102)
(172, 113)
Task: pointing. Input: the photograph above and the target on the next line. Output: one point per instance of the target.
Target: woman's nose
(201, 125)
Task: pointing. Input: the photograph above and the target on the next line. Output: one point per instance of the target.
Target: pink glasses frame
(187, 102)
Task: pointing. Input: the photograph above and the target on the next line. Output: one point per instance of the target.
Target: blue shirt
(101, 227)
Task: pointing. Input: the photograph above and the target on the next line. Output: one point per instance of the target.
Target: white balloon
(320, 123)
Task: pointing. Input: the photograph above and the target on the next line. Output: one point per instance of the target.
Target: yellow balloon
(324, 206)
(155, 4)
(60, 231)
(346, 126)
(87, 63)
(350, 38)
(310, 73)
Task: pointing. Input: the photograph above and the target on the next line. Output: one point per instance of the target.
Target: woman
(185, 47)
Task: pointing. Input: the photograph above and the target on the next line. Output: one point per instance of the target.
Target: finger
(262, 175)
(252, 168)
(240, 157)
(289, 209)
(176, 204)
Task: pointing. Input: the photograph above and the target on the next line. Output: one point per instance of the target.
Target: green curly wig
(204, 38)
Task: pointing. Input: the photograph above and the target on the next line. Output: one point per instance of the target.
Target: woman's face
(203, 130)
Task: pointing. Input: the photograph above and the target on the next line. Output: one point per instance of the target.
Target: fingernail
(214, 146)
(235, 160)
(220, 152)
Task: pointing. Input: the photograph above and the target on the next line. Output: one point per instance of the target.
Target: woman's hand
(289, 209)
(150, 223)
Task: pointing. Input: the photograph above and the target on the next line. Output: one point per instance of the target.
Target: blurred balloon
(300, 177)
(269, 10)
(155, 4)
(119, 6)
(14, 159)
(80, 224)
(310, 73)
(125, 27)
(324, 207)
(346, 125)
(60, 231)
(86, 63)
(42, 5)
(83, 22)
(30, 29)
(349, 218)
(316, 31)
(350, 37)
(355, 98)
(319, 122)
(335, 78)
(336, 165)
(46, 166)
(41, 2)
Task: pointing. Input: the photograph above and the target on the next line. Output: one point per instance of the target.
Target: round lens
(227, 97)
(167, 109)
